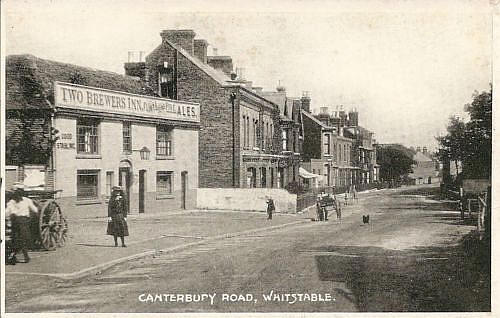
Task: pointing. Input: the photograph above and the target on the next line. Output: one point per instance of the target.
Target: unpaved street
(406, 259)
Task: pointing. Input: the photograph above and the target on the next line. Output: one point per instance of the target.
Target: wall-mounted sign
(65, 145)
(102, 100)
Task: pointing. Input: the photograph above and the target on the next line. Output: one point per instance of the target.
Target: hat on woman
(116, 188)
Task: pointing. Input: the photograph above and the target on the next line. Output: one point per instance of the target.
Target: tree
(470, 142)
(394, 163)
(477, 158)
(453, 145)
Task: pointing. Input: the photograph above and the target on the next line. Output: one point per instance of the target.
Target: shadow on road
(451, 278)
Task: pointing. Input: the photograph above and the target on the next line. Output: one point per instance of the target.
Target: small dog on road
(366, 219)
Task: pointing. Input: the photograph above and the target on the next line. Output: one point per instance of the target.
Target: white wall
(245, 199)
(184, 158)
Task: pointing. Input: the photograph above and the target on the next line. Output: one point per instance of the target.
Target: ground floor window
(164, 181)
(263, 177)
(251, 177)
(280, 181)
(272, 177)
(87, 184)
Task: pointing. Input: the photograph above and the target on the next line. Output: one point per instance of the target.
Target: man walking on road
(270, 208)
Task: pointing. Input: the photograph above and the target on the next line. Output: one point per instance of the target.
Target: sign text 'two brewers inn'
(103, 100)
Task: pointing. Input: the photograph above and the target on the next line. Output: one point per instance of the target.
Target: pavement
(89, 251)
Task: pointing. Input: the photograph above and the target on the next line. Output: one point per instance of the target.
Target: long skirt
(21, 235)
(118, 226)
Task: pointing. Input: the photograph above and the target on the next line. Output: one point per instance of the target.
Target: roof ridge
(216, 75)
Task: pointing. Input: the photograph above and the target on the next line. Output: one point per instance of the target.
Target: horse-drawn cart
(48, 227)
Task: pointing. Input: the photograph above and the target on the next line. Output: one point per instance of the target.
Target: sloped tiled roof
(30, 81)
(317, 121)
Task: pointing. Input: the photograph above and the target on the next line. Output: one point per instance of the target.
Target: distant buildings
(425, 169)
(337, 148)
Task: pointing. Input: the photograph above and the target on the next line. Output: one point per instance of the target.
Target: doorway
(124, 180)
(184, 175)
(142, 189)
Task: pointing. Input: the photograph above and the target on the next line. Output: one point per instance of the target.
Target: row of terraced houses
(175, 127)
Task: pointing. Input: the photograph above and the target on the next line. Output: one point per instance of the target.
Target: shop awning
(307, 175)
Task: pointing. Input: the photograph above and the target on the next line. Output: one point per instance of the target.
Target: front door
(183, 189)
(142, 190)
(124, 182)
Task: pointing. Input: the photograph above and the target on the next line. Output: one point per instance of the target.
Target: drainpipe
(232, 98)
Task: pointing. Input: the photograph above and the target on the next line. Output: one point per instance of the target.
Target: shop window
(87, 184)
(109, 182)
(127, 138)
(279, 179)
(87, 134)
(164, 182)
(252, 177)
(272, 177)
(163, 141)
(263, 177)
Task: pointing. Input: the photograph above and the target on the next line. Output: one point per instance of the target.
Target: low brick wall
(245, 199)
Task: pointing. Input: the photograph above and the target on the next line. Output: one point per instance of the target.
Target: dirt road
(406, 259)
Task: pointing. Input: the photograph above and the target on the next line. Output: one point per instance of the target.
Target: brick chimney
(353, 118)
(221, 63)
(305, 101)
(200, 50)
(182, 38)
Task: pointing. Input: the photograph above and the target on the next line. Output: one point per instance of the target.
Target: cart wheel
(51, 226)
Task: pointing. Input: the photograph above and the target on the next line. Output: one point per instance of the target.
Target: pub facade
(103, 134)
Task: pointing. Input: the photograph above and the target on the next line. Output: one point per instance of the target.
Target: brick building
(327, 152)
(83, 131)
(240, 132)
(364, 154)
(292, 137)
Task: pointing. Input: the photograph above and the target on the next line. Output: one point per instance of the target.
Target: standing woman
(117, 215)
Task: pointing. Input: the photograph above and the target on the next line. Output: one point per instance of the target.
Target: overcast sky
(407, 66)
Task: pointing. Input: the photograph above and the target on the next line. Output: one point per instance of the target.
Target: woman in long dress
(117, 216)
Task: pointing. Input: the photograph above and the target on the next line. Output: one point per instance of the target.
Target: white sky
(405, 65)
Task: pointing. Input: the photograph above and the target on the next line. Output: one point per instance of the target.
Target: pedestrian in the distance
(354, 193)
(18, 210)
(270, 208)
(338, 208)
(117, 216)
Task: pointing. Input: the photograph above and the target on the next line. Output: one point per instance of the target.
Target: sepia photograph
(287, 157)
